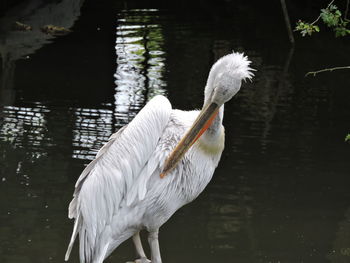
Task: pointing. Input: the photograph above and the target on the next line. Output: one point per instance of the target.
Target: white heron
(162, 160)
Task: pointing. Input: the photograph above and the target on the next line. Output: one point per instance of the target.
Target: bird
(160, 161)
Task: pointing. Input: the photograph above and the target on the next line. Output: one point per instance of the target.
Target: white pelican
(160, 161)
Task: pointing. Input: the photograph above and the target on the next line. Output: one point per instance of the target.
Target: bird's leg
(139, 249)
(154, 245)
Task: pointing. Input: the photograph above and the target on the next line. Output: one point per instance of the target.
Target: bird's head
(224, 81)
(225, 78)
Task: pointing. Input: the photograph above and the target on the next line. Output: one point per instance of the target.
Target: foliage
(306, 28)
(347, 138)
(331, 17)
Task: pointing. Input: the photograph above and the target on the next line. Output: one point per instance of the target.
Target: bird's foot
(140, 260)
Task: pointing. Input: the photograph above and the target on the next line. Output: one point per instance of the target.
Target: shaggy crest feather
(237, 63)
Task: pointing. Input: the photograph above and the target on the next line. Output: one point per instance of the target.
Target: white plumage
(121, 191)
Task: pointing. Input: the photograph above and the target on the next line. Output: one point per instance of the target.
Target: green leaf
(341, 31)
(331, 16)
(332, 7)
(347, 138)
(306, 28)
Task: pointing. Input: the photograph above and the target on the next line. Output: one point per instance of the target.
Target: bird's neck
(213, 140)
(215, 128)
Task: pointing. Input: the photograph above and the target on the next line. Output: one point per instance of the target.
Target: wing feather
(119, 172)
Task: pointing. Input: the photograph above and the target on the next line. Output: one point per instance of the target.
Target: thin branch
(325, 70)
(318, 18)
(287, 21)
(346, 10)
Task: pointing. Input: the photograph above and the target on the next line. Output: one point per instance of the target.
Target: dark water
(281, 192)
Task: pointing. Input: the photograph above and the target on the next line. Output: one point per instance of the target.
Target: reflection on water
(140, 62)
(92, 129)
(341, 244)
(138, 77)
(279, 194)
(17, 44)
(25, 127)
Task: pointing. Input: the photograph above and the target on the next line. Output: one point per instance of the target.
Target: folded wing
(111, 178)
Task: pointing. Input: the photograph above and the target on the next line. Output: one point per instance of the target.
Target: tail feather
(74, 235)
(102, 254)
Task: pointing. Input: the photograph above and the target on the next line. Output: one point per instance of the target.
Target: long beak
(200, 125)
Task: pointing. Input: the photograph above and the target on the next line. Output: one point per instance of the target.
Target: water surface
(280, 193)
